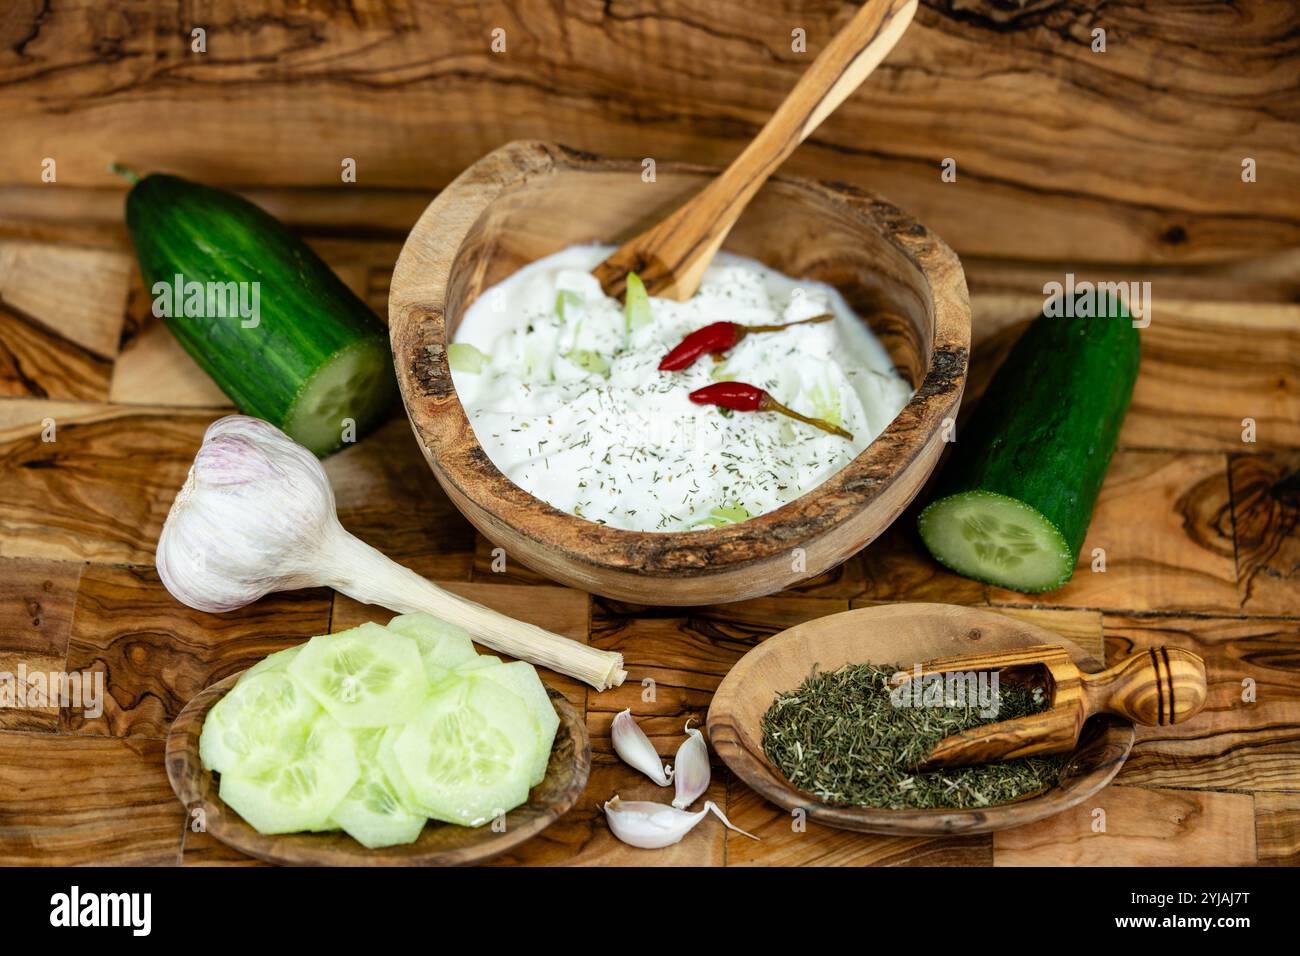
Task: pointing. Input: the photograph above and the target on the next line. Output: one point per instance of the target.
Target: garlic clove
(631, 743)
(690, 769)
(652, 826)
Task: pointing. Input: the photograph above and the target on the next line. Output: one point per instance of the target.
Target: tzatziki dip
(561, 384)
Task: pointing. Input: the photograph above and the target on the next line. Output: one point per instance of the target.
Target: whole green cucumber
(260, 312)
(1016, 496)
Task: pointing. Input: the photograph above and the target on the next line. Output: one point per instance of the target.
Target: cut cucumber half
(352, 386)
(365, 677)
(1014, 500)
(373, 813)
(301, 793)
(521, 679)
(275, 662)
(262, 721)
(442, 646)
(997, 540)
(468, 757)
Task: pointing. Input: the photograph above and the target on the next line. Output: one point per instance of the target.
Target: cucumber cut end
(344, 398)
(998, 540)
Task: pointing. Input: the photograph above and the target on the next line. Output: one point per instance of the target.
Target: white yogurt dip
(568, 402)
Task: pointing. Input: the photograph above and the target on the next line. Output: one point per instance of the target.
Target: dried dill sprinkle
(840, 737)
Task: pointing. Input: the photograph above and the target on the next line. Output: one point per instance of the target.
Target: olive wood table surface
(1198, 526)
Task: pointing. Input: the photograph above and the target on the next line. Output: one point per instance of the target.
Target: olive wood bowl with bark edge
(527, 200)
(439, 844)
(903, 634)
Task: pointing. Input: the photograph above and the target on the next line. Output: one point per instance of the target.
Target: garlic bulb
(652, 826)
(690, 769)
(631, 743)
(256, 515)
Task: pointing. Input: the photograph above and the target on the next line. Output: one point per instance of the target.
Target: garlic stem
(256, 514)
(366, 574)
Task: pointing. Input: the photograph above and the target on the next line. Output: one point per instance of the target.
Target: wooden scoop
(671, 256)
(1165, 685)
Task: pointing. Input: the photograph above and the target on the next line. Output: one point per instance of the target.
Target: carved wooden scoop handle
(1165, 685)
(671, 256)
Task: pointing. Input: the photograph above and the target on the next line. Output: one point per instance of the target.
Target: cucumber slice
(300, 793)
(997, 540)
(373, 813)
(365, 677)
(468, 757)
(262, 721)
(442, 646)
(479, 662)
(520, 678)
(275, 662)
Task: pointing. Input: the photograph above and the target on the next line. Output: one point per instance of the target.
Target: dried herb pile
(841, 738)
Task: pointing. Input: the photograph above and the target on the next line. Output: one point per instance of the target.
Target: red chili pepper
(720, 337)
(742, 397)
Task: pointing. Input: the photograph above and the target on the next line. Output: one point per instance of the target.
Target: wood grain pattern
(101, 489)
(787, 840)
(86, 800)
(1100, 137)
(1248, 735)
(439, 844)
(517, 204)
(1277, 828)
(36, 600)
(1266, 521)
(1142, 828)
(156, 654)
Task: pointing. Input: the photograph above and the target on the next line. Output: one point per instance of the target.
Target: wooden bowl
(898, 634)
(440, 844)
(527, 200)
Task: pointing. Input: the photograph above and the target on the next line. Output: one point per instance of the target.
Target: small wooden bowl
(898, 634)
(527, 200)
(440, 844)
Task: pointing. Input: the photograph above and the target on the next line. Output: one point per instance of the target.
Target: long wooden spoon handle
(1165, 685)
(671, 256)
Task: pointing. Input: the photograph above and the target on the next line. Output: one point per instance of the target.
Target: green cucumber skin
(307, 314)
(1046, 428)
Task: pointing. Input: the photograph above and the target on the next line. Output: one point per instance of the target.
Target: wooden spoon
(1157, 687)
(671, 256)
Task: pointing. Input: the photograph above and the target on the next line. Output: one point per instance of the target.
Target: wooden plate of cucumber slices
(439, 844)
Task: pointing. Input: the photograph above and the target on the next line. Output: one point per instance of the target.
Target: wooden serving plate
(898, 634)
(440, 844)
(526, 200)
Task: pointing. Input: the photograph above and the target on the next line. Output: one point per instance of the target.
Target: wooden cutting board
(101, 414)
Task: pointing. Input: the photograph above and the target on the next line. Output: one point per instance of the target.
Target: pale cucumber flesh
(365, 677)
(348, 731)
(997, 540)
(302, 792)
(344, 398)
(467, 758)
